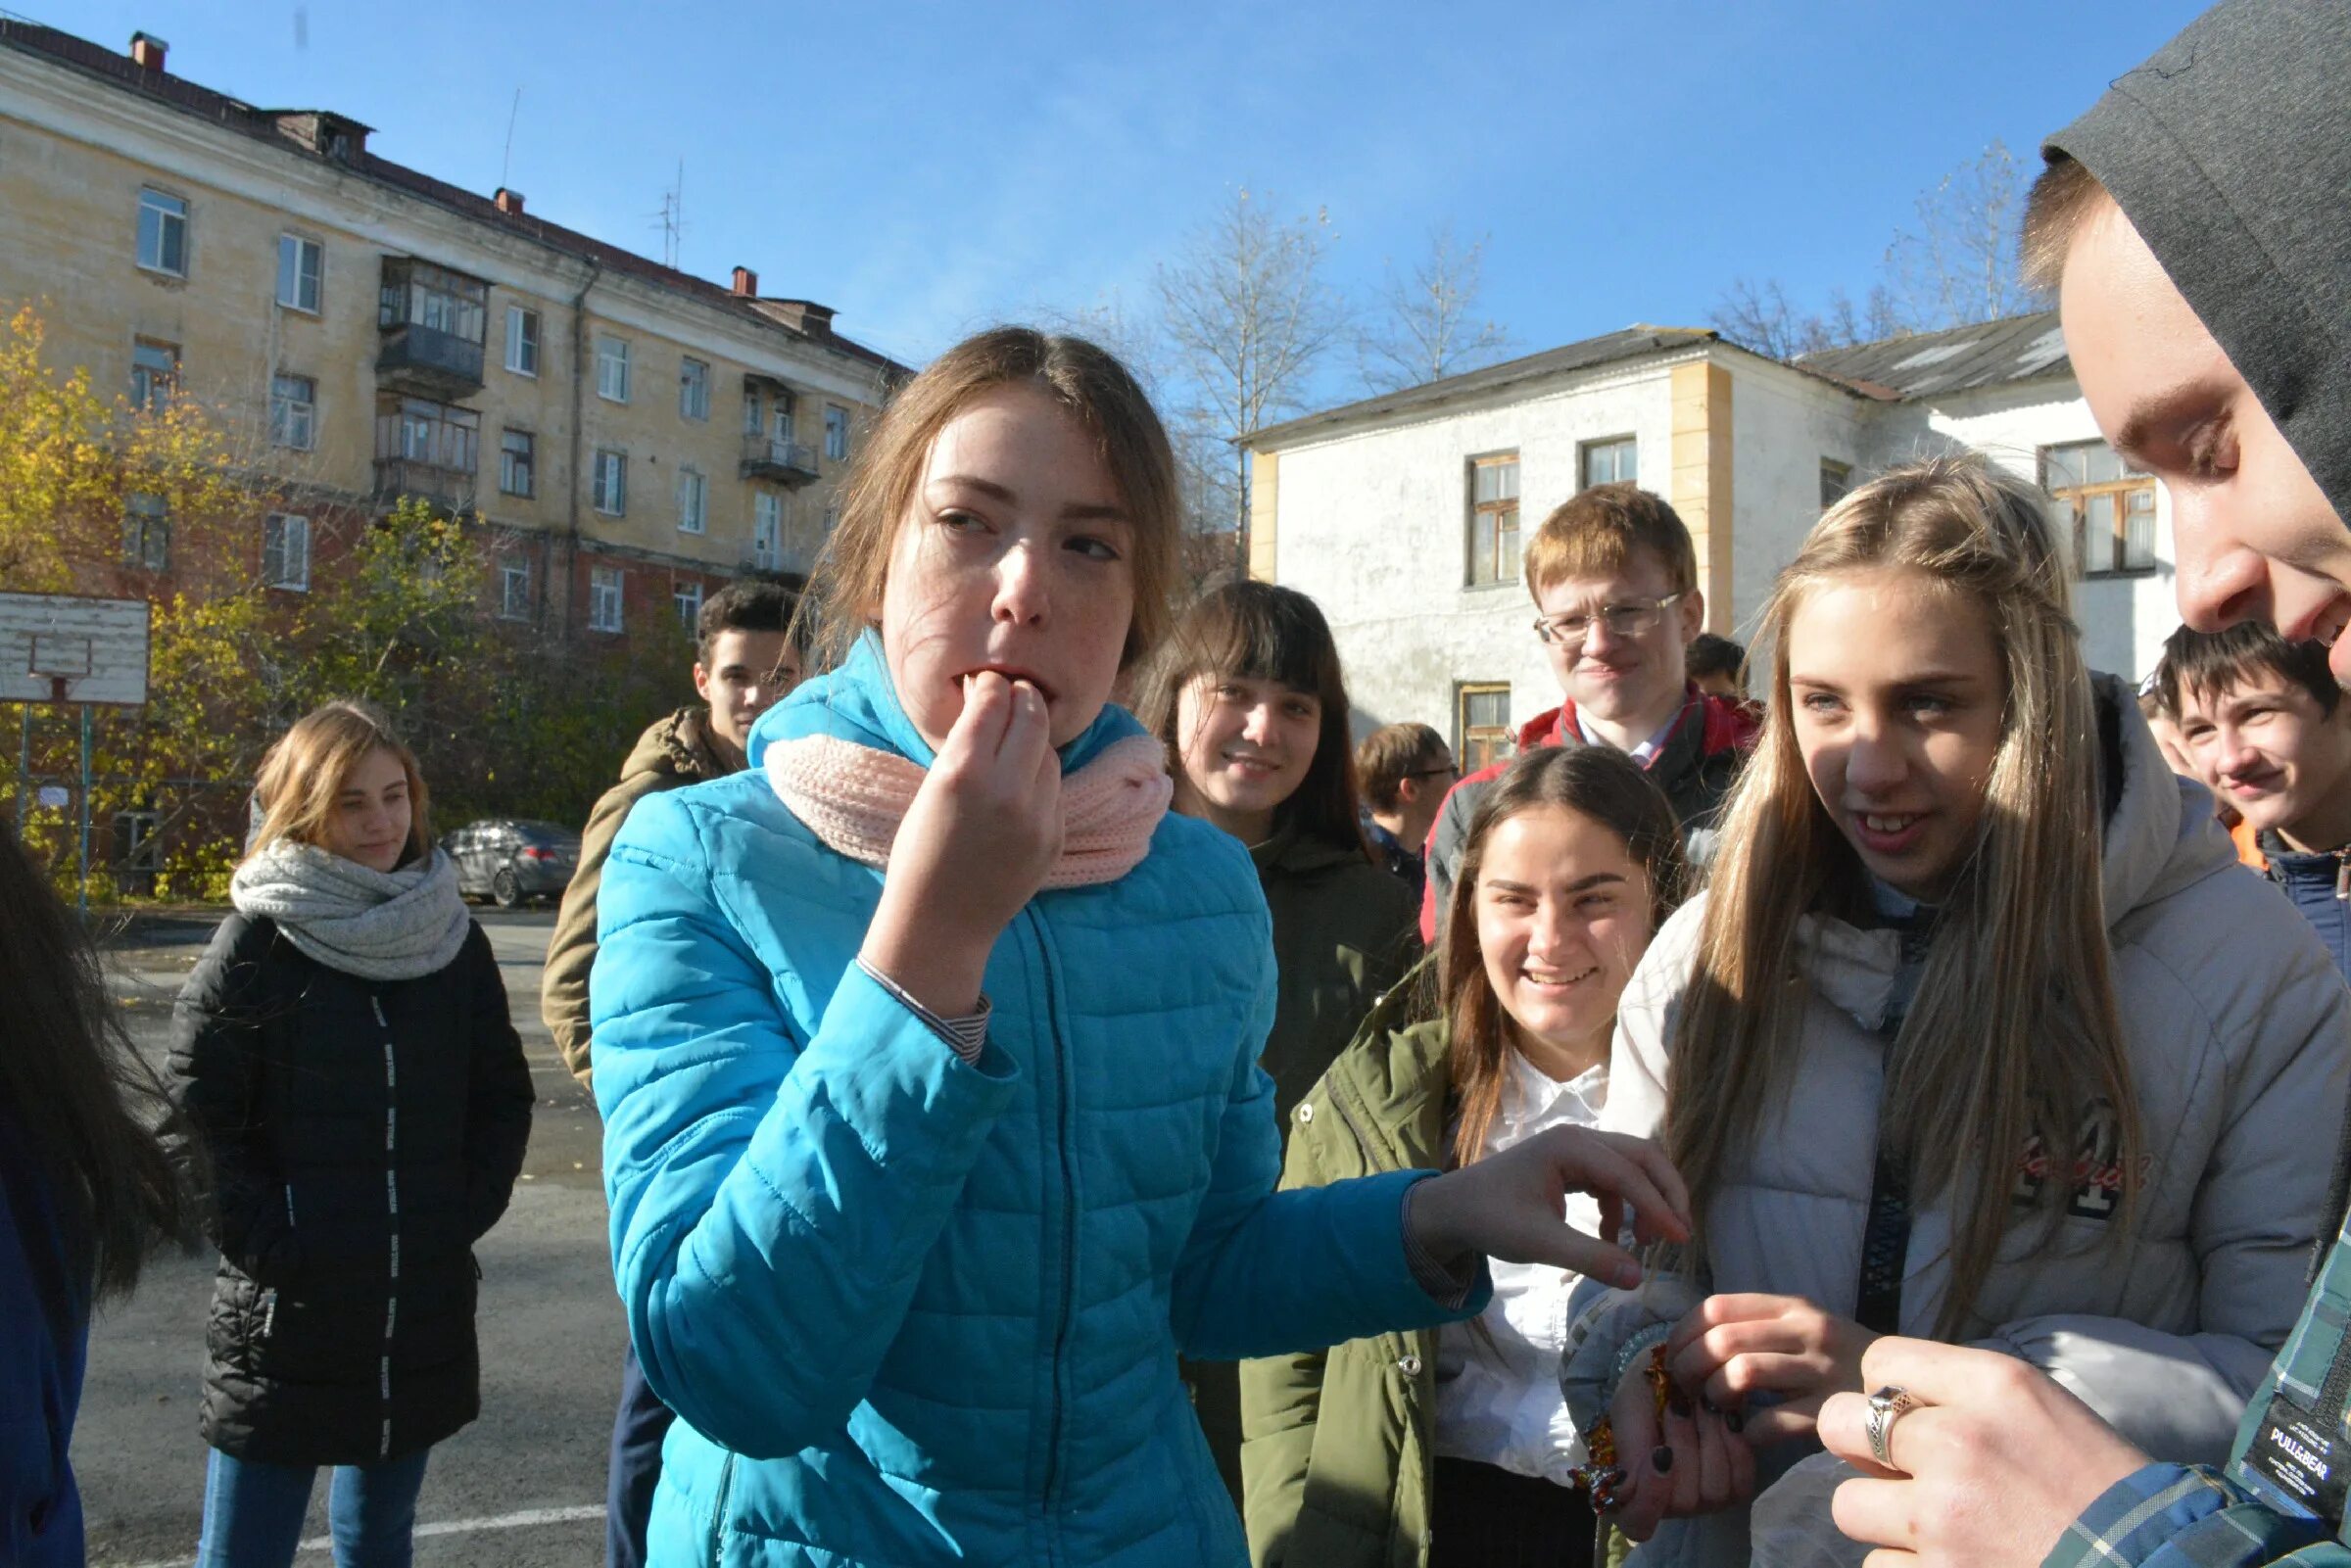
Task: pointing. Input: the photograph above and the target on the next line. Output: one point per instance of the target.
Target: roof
(278, 126)
(2015, 349)
(1632, 342)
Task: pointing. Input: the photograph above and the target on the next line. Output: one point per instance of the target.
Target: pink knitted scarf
(854, 797)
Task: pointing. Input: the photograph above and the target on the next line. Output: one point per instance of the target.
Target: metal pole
(86, 812)
(23, 763)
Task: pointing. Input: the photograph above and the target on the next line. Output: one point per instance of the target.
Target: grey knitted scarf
(379, 926)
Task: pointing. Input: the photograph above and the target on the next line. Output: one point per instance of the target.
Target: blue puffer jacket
(912, 1311)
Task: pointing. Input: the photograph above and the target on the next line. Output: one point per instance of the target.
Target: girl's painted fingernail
(1678, 1402)
(1735, 1420)
(1663, 1458)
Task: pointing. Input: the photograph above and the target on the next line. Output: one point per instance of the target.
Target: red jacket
(1695, 767)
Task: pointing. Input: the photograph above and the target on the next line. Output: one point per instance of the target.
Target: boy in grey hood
(2195, 222)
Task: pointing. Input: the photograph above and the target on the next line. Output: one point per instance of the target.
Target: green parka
(1343, 935)
(1338, 1445)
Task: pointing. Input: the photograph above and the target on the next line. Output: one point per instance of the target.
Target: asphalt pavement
(524, 1484)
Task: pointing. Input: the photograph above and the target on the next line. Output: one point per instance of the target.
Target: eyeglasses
(1448, 771)
(1636, 619)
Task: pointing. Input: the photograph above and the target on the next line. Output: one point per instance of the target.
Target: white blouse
(1498, 1391)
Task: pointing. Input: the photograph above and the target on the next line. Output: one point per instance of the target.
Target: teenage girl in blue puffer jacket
(921, 1182)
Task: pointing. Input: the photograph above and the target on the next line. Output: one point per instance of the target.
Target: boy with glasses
(1405, 770)
(1614, 580)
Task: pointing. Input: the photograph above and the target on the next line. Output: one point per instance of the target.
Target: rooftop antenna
(506, 163)
(672, 219)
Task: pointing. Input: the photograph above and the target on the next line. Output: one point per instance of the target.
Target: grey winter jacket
(2239, 1032)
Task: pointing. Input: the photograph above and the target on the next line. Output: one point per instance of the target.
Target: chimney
(147, 51)
(509, 202)
(747, 283)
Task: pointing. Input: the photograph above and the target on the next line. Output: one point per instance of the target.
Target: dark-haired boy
(745, 662)
(2266, 727)
(1405, 770)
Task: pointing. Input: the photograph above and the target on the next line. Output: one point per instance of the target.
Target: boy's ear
(1693, 608)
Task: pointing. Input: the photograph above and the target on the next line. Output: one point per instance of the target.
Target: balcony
(428, 363)
(790, 462)
(449, 489)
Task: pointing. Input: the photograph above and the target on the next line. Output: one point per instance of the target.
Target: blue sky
(927, 168)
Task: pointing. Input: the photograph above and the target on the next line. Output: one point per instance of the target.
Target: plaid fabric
(2172, 1516)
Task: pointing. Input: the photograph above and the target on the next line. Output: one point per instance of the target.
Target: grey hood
(2230, 151)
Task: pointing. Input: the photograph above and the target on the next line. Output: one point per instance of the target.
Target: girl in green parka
(1248, 696)
(1424, 1449)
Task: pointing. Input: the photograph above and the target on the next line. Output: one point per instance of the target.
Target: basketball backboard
(55, 647)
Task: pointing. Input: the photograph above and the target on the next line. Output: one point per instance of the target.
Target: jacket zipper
(1068, 1232)
(718, 1516)
(392, 1209)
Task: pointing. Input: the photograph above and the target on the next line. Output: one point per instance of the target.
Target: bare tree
(1761, 316)
(1247, 316)
(1960, 265)
(1426, 328)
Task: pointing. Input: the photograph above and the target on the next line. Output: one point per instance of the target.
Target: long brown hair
(306, 770)
(2014, 1034)
(1597, 782)
(845, 593)
(1262, 631)
(76, 1095)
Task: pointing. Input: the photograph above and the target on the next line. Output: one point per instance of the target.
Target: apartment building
(630, 436)
(1404, 514)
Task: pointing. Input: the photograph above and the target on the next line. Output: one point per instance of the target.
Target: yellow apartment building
(630, 436)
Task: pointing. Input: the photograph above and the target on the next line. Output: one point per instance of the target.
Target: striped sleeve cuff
(966, 1036)
(1446, 1287)
(2178, 1516)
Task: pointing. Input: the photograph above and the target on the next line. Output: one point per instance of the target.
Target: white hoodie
(2239, 1034)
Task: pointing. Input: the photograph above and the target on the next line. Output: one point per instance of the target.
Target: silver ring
(1885, 1406)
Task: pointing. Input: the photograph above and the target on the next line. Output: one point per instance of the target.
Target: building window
(2113, 506)
(162, 233)
(286, 551)
(146, 533)
(1835, 481)
(1482, 734)
(693, 390)
(301, 264)
(688, 597)
(609, 485)
(1614, 461)
(522, 340)
(767, 532)
(832, 518)
(518, 460)
(293, 412)
(419, 294)
(154, 374)
(836, 432)
(612, 370)
(1494, 519)
(437, 435)
(514, 588)
(603, 599)
(693, 495)
(750, 410)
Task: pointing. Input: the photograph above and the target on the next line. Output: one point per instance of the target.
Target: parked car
(508, 859)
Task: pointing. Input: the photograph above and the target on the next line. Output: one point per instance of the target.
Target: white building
(1403, 515)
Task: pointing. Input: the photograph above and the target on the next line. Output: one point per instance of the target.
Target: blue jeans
(253, 1511)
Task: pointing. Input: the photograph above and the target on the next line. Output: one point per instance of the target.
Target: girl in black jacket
(345, 1054)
